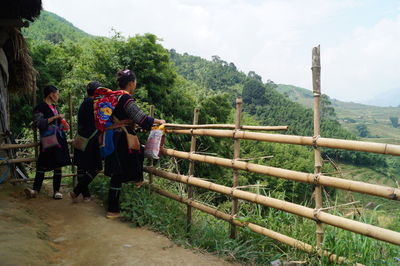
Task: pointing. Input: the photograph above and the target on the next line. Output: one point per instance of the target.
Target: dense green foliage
(54, 28)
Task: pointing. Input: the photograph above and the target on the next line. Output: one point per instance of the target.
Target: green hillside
(352, 115)
(53, 28)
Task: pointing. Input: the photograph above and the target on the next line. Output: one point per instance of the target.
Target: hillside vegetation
(176, 84)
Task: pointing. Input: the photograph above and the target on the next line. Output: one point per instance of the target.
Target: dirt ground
(44, 231)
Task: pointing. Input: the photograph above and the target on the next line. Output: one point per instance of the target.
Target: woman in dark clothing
(126, 164)
(89, 161)
(54, 152)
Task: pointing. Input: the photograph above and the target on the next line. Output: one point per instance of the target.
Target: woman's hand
(159, 121)
(51, 119)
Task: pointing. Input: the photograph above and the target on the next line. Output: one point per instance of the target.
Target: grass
(144, 208)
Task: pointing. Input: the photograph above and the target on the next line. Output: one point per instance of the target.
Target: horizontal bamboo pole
(350, 185)
(20, 180)
(226, 126)
(353, 145)
(21, 146)
(253, 227)
(19, 160)
(344, 223)
(17, 146)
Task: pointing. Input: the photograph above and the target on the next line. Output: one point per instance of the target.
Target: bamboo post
(150, 161)
(236, 154)
(191, 171)
(35, 136)
(71, 136)
(316, 79)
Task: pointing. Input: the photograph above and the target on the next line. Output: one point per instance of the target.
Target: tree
(362, 130)
(395, 121)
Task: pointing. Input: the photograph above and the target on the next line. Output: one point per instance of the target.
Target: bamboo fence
(253, 227)
(347, 224)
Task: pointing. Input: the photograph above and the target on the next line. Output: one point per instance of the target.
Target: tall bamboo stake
(316, 78)
(150, 162)
(340, 222)
(236, 154)
(191, 171)
(71, 136)
(350, 185)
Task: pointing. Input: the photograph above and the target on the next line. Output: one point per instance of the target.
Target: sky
(359, 39)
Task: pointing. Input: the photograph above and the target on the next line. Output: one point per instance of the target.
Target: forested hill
(54, 28)
(260, 99)
(374, 123)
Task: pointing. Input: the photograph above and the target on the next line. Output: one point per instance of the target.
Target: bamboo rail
(344, 223)
(226, 126)
(353, 145)
(25, 145)
(19, 180)
(19, 160)
(355, 186)
(191, 172)
(253, 227)
(316, 78)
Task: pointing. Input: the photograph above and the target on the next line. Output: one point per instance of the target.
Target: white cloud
(367, 63)
(273, 38)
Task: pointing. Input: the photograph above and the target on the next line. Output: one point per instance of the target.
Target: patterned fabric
(134, 112)
(105, 101)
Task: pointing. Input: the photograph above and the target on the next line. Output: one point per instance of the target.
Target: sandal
(113, 215)
(57, 196)
(30, 193)
(73, 197)
(87, 199)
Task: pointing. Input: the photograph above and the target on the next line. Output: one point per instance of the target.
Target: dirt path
(44, 231)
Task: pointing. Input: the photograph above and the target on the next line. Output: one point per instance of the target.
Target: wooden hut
(16, 71)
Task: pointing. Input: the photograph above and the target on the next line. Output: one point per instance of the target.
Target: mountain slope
(54, 28)
(350, 115)
(386, 98)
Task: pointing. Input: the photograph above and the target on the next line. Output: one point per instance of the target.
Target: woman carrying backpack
(86, 153)
(53, 152)
(125, 164)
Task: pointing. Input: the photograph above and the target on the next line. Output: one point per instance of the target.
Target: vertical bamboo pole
(150, 161)
(191, 171)
(71, 136)
(316, 76)
(35, 136)
(236, 154)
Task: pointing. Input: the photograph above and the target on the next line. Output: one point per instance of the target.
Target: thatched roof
(12, 13)
(20, 9)
(21, 72)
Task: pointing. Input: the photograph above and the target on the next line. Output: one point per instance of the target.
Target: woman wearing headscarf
(87, 158)
(53, 153)
(125, 164)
